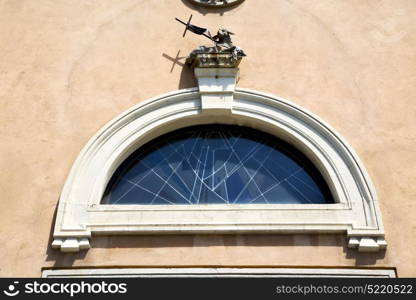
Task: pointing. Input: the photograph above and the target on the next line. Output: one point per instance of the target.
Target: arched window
(331, 193)
(219, 164)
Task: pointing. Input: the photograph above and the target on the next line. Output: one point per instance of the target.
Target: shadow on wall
(230, 240)
(187, 78)
(363, 259)
(60, 259)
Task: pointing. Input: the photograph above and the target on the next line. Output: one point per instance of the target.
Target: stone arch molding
(355, 213)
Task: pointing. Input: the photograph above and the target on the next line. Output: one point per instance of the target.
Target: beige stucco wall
(68, 67)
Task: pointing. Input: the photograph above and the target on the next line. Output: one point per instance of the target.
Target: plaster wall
(68, 67)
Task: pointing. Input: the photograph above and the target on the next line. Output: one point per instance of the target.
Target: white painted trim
(355, 213)
(218, 272)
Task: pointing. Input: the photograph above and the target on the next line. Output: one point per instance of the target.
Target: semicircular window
(217, 164)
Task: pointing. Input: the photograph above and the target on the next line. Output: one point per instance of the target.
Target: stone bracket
(216, 87)
(367, 244)
(71, 244)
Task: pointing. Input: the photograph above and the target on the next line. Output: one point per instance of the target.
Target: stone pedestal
(216, 86)
(214, 60)
(217, 74)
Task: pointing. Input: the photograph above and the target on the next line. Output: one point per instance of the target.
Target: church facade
(251, 138)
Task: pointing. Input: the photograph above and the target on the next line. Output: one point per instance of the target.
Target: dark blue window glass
(217, 164)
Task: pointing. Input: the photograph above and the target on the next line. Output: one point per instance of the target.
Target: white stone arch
(355, 213)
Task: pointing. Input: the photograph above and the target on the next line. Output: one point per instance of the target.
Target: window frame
(355, 212)
(258, 140)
